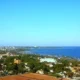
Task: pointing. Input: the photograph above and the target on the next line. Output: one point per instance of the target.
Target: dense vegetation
(8, 66)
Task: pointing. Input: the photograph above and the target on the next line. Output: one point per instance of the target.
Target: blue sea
(60, 51)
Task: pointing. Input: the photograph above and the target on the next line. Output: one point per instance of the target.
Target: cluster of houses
(7, 54)
(49, 62)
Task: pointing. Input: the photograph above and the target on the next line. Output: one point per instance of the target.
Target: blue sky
(40, 22)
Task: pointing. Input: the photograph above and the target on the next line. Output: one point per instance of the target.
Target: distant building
(0, 57)
(50, 65)
(50, 60)
(16, 61)
(72, 69)
(5, 54)
(40, 71)
(77, 70)
(51, 71)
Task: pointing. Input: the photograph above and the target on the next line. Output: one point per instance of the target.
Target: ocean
(60, 51)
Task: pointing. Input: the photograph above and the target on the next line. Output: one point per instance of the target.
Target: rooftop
(48, 60)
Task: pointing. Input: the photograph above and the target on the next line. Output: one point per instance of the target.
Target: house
(5, 54)
(51, 71)
(16, 61)
(40, 71)
(72, 69)
(77, 70)
(50, 65)
(27, 68)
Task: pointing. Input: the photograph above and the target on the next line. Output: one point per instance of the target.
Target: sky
(39, 22)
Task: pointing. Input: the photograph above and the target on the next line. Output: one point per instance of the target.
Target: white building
(50, 60)
(51, 71)
(40, 71)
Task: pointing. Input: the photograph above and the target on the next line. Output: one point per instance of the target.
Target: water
(62, 51)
